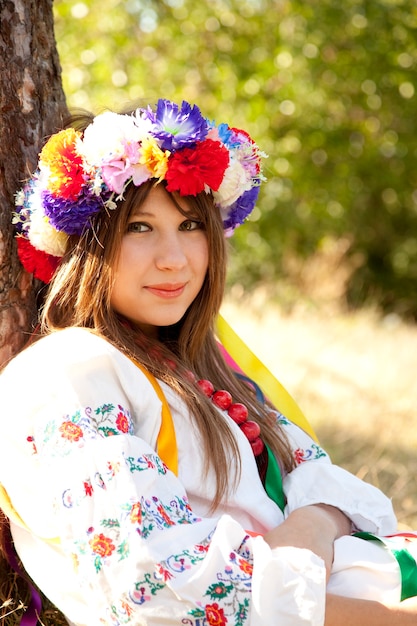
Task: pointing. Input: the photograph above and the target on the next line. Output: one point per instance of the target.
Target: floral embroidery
(145, 462)
(59, 436)
(70, 431)
(101, 545)
(155, 515)
(143, 518)
(163, 573)
(230, 594)
(88, 488)
(120, 615)
(219, 590)
(282, 420)
(122, 422)
(215, 615)
(142, 591)
(309, 454)
(135, 515)
(31, 440)
(245, 567)
(74, 496)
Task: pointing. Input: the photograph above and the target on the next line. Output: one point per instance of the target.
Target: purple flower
(177, 128)
(72, 216)
(241, 208)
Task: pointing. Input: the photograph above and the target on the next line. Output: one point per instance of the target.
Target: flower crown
(81, 173)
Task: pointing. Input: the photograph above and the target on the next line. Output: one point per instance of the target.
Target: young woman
(145, 482)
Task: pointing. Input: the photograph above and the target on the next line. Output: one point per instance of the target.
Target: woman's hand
(314, 527)
(342, 611)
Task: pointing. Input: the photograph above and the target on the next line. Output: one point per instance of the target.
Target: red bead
(238, 412)
(206, 387)
(257, 446)
(251, 430)
(222, 399)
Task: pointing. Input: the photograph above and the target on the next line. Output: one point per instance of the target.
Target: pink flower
(118, 171)
(117, 174)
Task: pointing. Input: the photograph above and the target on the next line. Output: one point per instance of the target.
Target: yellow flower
(155, 159)
(65, 165)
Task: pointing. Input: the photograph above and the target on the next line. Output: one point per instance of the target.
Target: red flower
(101, 545)
(71, 431)
(191, 169)
(215, 615)
(41, 264)
(122, 422)
(245, 566)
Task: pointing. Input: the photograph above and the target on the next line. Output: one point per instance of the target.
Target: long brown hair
(79, 296)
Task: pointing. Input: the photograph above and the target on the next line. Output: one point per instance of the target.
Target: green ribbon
(406, 563)
(273, 481)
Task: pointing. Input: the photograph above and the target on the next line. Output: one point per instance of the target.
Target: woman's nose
(171, 254)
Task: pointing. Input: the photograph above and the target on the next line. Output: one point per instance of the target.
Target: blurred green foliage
(327, 89)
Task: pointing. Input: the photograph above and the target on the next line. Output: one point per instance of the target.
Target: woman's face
(162, 264)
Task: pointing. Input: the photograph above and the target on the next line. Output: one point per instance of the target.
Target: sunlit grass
(354, 376)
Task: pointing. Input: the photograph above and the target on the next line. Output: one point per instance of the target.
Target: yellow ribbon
(166, 445)
(8, 509)
(255, 369)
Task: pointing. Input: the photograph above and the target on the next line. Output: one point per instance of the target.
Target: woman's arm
(314, 527)
(342, 611)
(317, 480)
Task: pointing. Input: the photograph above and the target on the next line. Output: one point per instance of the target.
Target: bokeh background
(327, 89)
(323, 280)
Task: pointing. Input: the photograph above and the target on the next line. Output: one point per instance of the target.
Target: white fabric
(136, 545)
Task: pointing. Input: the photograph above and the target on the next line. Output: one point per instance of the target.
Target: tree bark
(32, 106)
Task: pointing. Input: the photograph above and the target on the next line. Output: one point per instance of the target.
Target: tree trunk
(32, 105)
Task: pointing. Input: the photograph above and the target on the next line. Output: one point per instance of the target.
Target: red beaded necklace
(237, 411)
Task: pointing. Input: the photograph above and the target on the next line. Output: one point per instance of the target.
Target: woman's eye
(137, 227)
(191, 225)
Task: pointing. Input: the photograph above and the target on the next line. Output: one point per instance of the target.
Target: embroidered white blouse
(113, 537)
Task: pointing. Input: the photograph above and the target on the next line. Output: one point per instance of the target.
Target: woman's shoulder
(71, 363)
(57, 351)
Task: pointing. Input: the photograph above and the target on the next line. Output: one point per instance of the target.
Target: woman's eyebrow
(140, 213)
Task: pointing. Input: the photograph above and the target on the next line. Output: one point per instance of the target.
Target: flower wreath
(81, 173)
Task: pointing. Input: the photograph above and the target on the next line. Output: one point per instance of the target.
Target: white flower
(20, 198)
(110, 205)
(234, 183)
(106, 138)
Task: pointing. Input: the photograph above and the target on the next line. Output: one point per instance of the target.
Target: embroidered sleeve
(316, 480)
(125, 524)
(103, 510)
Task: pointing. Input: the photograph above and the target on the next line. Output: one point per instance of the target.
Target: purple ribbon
(33, 611)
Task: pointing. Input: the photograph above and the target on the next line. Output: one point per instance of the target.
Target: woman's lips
(166, 290)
